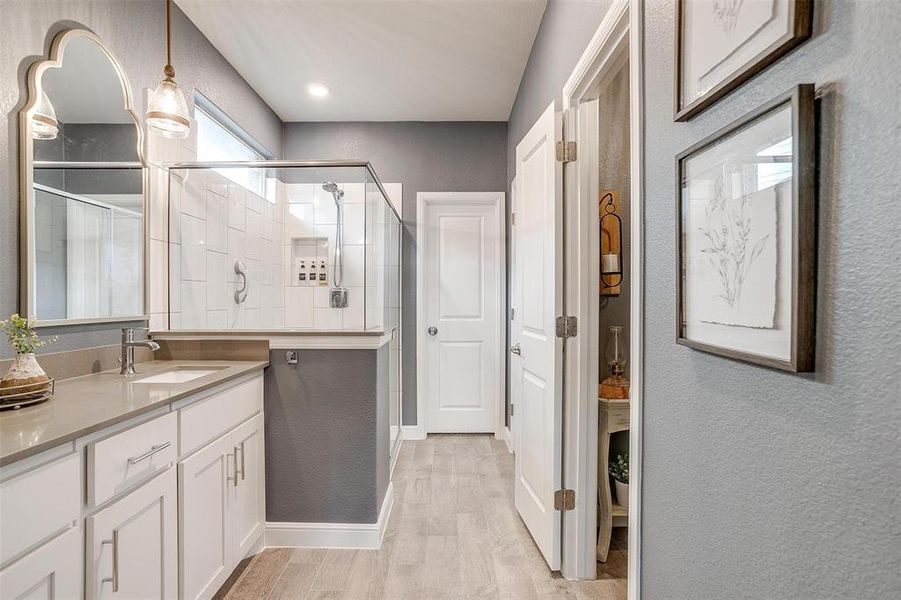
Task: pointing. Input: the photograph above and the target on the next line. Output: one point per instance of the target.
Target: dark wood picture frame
(801, 31)
(803, 242)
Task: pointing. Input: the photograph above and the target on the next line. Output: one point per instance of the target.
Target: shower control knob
(433, 331)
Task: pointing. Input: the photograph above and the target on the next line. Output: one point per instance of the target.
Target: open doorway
(602, 101)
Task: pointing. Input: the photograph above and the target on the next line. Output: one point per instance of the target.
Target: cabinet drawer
(38, 504)
(207, 419)
(120, 462)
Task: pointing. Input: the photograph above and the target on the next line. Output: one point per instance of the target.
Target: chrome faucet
(128, 349)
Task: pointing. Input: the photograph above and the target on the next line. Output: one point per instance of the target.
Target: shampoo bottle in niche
(322, 273)
(313, 277)
(301, 270)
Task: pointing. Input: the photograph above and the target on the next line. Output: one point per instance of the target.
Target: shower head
(332, 188)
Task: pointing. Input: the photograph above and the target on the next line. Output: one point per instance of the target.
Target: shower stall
(287, 250)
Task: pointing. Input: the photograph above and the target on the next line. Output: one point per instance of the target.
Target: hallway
(453, 533)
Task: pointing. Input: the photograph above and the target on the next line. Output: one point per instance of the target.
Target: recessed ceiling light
(318, 90)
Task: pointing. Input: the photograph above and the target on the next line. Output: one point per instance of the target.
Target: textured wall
(424, 157)
(135, 32)
(758, 483)
(326, 436)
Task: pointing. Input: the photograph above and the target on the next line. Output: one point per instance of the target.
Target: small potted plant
(25, 374)
(619, 470)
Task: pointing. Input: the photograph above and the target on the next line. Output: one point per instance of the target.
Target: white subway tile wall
(201, 224)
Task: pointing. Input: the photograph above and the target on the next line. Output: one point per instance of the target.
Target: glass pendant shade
(167, 111)
(44, 125)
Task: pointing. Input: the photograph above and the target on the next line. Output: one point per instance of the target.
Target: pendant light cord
(169, 70)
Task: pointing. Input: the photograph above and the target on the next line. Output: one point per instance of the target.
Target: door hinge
(566, 327)
(512, 314)
(564, 500)
(511, 408)
(566, 151)
(512, 218)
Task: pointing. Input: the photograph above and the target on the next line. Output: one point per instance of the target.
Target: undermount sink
(178, 375)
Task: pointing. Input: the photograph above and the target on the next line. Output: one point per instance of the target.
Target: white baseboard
(508, 439)
(364, 536)
(413, 432)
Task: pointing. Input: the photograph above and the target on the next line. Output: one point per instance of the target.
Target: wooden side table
(613, 416)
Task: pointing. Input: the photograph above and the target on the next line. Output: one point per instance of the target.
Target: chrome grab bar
(241, 294)
(153, 450)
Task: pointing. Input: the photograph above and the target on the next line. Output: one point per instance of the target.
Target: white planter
(622, 493)
(25, 371)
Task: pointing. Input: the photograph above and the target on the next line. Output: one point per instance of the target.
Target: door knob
(516, 349)
(433, 331)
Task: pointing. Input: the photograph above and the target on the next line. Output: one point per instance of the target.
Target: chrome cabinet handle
(237, 470)
(516, 349)
(153, 450)
(433, 331)
(233, 455)
(115, 578)
(241, 294)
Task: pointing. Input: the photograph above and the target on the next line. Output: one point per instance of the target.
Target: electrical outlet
(291, 356)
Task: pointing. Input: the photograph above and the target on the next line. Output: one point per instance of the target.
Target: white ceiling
(419, 60)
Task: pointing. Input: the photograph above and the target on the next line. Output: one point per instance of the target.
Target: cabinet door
(249, 491)
(52, 572)
(132, 544)
(205, 529)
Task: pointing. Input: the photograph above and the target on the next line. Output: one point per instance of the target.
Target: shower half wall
(251, 255)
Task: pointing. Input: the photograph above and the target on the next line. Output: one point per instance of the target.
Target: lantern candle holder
(611, 245)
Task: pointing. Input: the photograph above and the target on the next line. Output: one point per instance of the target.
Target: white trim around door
(497, 200)
(618, 37)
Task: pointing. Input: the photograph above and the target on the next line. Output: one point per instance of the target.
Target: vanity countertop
(86, 404)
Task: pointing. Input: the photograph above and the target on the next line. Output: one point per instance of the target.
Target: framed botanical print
(722, 43)
(746, 237)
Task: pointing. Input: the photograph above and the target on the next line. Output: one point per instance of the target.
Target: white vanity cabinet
(221, 497)
(131, 545)
(40, 537)
(51, 572)
(162, 506)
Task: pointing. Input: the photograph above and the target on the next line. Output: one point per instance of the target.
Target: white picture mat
(772, 342)
(710, 55)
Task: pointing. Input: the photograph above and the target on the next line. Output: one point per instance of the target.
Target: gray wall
(135, 31)
(424, 157)
(758, 483)
(326, 436)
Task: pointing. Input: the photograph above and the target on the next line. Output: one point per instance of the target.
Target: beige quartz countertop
(83, 405)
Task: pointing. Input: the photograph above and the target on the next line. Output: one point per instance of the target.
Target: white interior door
(538, 300)
(461, 309)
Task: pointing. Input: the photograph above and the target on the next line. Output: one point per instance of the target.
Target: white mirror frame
(26, 177)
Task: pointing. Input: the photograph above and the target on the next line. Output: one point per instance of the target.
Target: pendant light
(44, 125)
(167, 111)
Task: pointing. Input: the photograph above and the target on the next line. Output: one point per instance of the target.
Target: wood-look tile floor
(453, 533)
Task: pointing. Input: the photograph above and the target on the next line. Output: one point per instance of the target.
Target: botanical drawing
(725, 14)
(729, 250)
(736, 244)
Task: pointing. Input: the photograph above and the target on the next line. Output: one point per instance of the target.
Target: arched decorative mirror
(82, 187)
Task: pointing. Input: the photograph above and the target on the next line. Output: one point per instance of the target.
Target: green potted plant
(25, 374)
(619, 470)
